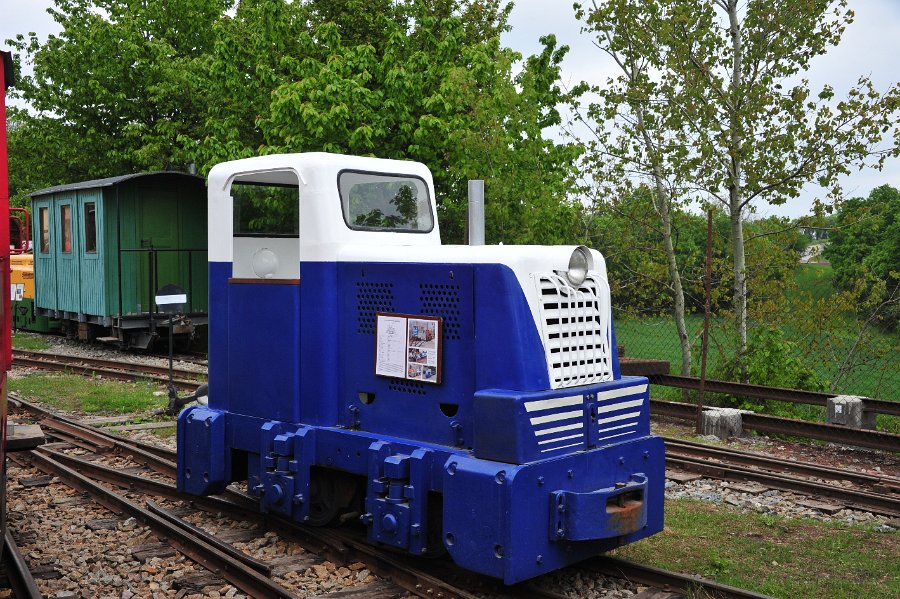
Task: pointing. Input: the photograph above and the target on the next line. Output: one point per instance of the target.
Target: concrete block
(849, 411)
(721, 422)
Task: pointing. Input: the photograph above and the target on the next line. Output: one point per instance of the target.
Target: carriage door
(158, 229)
(264, 297)
(45, 242)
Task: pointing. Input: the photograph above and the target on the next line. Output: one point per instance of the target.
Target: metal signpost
(171, 300)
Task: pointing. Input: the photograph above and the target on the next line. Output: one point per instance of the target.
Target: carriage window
(90, 228)
(375, 202)
(44, 217)
(266, 210)
(65, 219)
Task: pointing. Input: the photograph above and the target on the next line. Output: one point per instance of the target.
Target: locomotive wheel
(322, 508)
(330, 493)
(435, 537)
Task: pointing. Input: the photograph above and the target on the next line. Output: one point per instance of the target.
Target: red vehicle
(25, 437)
(6, 77)
(19, 231)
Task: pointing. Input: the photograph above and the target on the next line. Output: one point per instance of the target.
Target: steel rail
(876, 503)
(237, 573)
(104, 363)
(344, 547)
(100, 443)
(262, 567)
(73, 440)
(117, 374)
(826, 432)
(682, 583)
(335, 545)
(17, 572)
(157, 459)
(43, 412)
(642, 367)
(235, 504)
(790, 426)
(692, 449)
(107, 442)
(879, 406)
(398, 568)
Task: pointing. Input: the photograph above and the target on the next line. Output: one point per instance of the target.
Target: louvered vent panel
(575, 325)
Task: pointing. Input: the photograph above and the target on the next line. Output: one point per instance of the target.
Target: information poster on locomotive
(408, 347)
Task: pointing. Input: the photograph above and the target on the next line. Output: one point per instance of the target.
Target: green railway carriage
(102, 248)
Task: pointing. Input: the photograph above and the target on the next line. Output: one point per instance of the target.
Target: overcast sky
(871, 46)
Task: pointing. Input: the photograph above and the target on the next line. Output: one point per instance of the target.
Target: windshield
(376, 202)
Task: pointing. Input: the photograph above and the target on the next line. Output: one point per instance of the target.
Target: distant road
(813, 254)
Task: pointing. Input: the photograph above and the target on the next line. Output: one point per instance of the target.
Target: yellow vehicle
(22, 297)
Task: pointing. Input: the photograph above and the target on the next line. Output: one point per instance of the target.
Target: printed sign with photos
(408, 347)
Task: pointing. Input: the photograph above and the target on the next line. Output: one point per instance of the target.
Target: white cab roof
(321, 219)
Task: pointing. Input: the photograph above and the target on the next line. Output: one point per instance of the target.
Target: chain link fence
(850, 360)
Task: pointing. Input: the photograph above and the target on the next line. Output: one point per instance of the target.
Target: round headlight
(580, 263)
(264, 263)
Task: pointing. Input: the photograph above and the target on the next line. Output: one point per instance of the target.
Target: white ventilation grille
(619, 413)
(576, 330)
(557, 423)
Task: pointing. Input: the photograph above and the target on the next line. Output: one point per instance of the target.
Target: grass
(94, 396)
(165, 433)
(772, 555)
(815, 279)
(29, 341)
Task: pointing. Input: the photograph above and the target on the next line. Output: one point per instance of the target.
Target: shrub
(773, 361)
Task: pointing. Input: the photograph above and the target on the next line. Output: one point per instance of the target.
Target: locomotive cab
(462, 398)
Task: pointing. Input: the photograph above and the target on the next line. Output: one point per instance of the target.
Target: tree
(430, 90)
(136, 84)
(746, 126)
(864, 251)
(635, 146)
(117, 88)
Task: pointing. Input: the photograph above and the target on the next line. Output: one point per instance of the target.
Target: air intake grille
(442, 299)
(575, 327)
(411, 387)
(372, 297)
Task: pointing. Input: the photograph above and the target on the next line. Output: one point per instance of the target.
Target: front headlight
(580, 263)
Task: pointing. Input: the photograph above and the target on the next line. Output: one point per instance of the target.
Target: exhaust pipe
(476, 212)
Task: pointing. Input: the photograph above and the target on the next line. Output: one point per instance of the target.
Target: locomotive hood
(529, 263)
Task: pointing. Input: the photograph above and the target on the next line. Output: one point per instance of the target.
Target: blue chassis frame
(510, 521)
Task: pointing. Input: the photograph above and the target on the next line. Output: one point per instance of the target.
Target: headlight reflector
(580, 263)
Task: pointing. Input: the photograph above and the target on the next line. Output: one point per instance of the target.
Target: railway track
(17, 573)
(425, 578)
(185, 380)
(875, 494)
(762, 423)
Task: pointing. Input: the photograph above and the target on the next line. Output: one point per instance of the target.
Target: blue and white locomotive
(465, 398)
